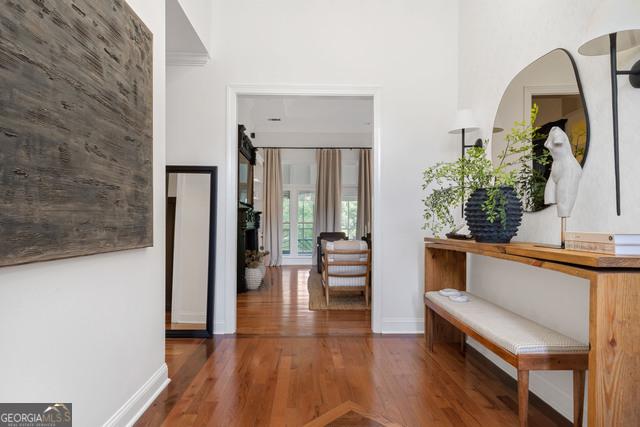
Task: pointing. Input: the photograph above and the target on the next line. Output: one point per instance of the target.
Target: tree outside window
(286, 222)
(349, 217)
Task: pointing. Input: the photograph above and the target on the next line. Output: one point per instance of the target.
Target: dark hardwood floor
(288, 366)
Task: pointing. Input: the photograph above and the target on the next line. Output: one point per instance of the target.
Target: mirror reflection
(188, 258)
(245, 180)
(552, 84)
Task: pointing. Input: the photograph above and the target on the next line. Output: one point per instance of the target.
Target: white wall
(90, 330)
(408, 48)
(191, 249)
(199, 14)
(497, 40)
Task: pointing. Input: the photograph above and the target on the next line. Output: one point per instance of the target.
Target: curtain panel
(363, 223)
(272, 216)
(328, 202)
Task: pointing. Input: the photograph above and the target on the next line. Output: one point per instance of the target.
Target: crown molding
(187, 58)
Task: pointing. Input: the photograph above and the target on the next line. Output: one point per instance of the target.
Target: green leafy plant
(451, 183)
(253, 259)
(519, 155)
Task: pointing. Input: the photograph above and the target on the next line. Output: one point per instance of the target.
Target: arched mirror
(552, 84)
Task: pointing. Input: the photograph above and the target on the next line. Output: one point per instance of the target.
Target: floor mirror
(190, 251)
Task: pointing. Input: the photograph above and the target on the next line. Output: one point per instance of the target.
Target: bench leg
(578, 397)
(523, 397)
(429, 328)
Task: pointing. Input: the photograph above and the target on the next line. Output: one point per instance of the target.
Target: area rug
(337, 300)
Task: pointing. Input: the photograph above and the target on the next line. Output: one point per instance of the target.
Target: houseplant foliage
(492, 188)
(519, 156)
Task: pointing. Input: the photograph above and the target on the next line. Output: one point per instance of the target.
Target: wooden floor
(288, 366)
(280, 307)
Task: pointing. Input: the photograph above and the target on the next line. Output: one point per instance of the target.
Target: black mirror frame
(211, 273)
(584, 102)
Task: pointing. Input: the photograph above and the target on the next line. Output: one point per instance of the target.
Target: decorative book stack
(613, 244)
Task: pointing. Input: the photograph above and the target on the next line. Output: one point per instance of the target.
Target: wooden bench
(526, 345)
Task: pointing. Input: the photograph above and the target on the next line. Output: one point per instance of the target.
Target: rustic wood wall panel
(75, 129)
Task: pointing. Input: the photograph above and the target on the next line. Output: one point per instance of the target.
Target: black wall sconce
(611, 43)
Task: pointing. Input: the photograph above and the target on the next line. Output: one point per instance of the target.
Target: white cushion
(510, 331)
(323, 243)
(347, 245)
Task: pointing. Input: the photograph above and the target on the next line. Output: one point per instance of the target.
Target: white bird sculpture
(562, 186)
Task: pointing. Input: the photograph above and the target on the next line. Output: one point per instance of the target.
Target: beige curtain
(328, 192)
(272, 215)
(363, 225)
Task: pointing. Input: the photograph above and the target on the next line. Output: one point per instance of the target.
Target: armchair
(346, 267)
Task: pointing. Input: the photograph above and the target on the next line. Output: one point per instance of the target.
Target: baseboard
(297, 260)
(402, 325)
(219, 328)
(538, 386)
(133, 408)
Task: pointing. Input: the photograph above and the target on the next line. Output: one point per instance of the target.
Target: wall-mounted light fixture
(464, 122)
(614, 26)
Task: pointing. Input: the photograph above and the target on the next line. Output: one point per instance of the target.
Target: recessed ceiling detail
(307, 121)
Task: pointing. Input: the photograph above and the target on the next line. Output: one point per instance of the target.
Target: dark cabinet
(248, 218)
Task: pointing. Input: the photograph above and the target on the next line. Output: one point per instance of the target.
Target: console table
(614, 313)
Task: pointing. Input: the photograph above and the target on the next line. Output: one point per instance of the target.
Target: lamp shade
(613, 16)
(464, 120)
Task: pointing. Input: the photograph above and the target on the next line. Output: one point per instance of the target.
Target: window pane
(286, 202)
(286, 174)
(306, 201)
(308, 233)
(344, 215)
(286, 223)
(286, 239)
(349, 217)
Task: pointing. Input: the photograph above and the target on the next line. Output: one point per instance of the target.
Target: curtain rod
(315, 148)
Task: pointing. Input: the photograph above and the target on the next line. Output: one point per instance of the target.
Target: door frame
(235, 90)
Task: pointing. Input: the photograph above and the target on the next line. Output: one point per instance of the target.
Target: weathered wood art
(76, 137)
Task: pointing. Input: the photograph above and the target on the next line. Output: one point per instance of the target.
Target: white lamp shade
(613, 16)
(464, 120)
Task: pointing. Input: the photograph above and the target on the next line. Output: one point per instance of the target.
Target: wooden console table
(614, 314)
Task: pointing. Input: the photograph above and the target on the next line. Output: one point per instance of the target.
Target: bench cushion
(508, 330)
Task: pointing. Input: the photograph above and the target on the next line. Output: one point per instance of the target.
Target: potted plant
(254, 268)
(493, 193)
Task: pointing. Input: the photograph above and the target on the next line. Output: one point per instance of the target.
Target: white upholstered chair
(346, 267)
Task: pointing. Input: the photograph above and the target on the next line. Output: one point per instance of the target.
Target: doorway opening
(298, 129)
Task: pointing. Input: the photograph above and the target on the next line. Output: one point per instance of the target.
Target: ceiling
(307, 121)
